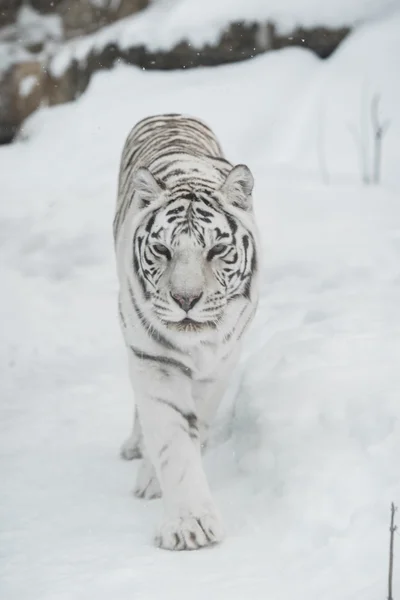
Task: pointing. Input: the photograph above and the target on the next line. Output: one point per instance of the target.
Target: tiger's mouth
(190, 326)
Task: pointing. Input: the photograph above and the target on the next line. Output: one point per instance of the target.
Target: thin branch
(392, 529)
(378, 130)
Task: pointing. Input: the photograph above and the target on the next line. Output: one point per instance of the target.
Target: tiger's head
(194, 252)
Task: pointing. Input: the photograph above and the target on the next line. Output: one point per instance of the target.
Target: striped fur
(187, 260)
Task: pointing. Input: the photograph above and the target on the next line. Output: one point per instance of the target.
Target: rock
(45, 6)
(240, 41)
(8, 11)
(321, 40)
(68, 87)
(32, 32)
(80, 17)
(128, 7)
(56, 85)
(23, 90)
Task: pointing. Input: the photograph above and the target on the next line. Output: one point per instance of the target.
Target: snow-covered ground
(304, 461)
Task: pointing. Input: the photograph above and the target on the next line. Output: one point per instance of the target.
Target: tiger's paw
(191, 532)
(130, 449)
(147, 486)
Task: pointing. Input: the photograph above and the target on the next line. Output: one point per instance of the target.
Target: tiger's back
(160, 136)
(174, 148)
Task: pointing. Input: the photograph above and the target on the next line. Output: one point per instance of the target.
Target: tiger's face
(193, 257)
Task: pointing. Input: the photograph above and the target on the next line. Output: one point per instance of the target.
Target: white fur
(172, 464)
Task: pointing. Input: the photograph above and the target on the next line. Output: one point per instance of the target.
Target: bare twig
(392, 530)
(379, 130)
(374, 132)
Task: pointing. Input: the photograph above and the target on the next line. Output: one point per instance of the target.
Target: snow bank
(287, 14)
(332, 126)
(164, 24)
(314, 121)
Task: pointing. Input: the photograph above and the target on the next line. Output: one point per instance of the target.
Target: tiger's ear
(147, 187)
(238, 187)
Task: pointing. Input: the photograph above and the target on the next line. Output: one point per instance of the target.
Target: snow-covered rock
(171, 34)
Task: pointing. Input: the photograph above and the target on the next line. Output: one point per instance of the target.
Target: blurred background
(50, 49)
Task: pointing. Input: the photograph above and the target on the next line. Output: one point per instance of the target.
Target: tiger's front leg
(171, 438)
(131, 449)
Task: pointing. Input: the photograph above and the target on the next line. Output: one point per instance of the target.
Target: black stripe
(163, 360)
(150, 222)
(221, 159)
(208, 538)
(204, 213)
(163, 449)
(176, 210)
(149, 327)
(229, 335)
(129, 158)
(246, 291)
(190, 417)
(254, 264)
(246, 324)
(245, 241)
(121, 316)
(231, 222)
(136, 267)
(207, 202)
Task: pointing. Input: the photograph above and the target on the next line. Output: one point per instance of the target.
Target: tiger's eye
(163, 250)
(216, 250)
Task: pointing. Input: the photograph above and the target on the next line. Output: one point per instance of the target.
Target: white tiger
(187, 252)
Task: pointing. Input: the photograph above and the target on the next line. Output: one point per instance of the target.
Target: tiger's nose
(186, 301)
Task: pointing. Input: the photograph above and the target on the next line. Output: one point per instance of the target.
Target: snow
(27, 85)
(165, 23)
(30, 29)
(34, 27)
(304, 457)
(9, 55)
